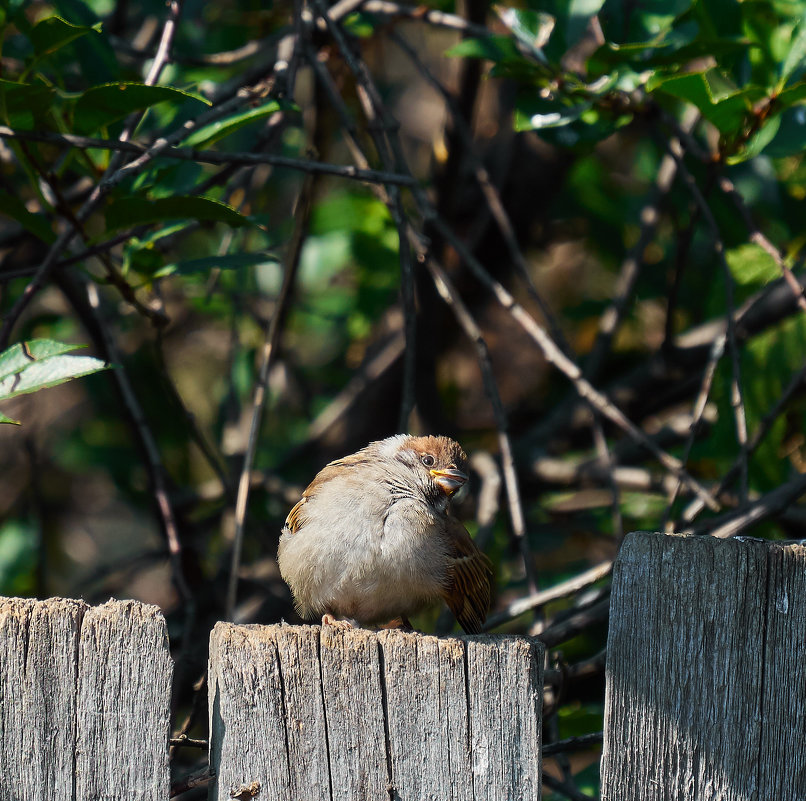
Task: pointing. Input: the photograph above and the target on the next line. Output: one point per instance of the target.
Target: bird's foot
(329, 620)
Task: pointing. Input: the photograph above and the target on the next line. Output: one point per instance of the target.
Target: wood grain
(706, 685)
(357, 714)
(84, 701)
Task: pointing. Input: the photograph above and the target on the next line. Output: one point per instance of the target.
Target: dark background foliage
(574, 244)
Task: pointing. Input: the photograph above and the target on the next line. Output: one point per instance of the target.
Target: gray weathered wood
(783, 702)
(360, 715)
(124, 691)
(38, 669)
(84, 701)
(706, 685)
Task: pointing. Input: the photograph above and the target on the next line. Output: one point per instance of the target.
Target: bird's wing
(297, 517)
(469, 581)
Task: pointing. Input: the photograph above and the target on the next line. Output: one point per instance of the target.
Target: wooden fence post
(706, 673)
(302, 713)
(84, 701)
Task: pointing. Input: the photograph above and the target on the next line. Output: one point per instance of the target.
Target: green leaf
(532, 28)
(53, 33)
(499, 49)
(26, 105)
(796, 54)
(209, 134)
(21, 355)
(125, 212)
(752, 265)
(579, 15)
(234, 261)
(720, 102)
(758, 142)
(790, 139)
(534, 114)
(792, 96)
(37, 224)
(48, 372)
(624, 21)
(102, 105)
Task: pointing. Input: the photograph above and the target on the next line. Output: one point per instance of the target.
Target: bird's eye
(428, 460)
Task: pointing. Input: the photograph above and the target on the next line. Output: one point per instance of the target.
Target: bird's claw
(329, 620)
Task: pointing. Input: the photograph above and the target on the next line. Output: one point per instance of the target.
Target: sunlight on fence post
(84, 701)
(705, 689)
(303, 713)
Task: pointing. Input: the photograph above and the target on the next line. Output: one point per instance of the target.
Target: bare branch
(270, 348)
(539, 599)
(465, 319)
(766, 507)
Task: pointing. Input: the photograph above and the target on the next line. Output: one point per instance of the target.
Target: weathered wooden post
(299, 712)
(84, 701)
(706, 671)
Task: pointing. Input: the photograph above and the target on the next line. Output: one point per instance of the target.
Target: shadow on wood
(706, 677)
(304, 713)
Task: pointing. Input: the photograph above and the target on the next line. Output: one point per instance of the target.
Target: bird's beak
(449, 480)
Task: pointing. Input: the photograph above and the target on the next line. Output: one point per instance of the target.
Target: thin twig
(554, 355)
(573, 625)
(583, 742)
(432, 16)
(269, 354)
(104, 186)
(562, 590)
(489, 501)
(85, 298)
(606, 459)
(764, 427)
(151, 311)
(631, 266)
(491, 194)
(769, 505)
(197, 778)
(392, 158)
(449, 294)
(698, 410)
(216, 157)
(757, 236)
(736, 392)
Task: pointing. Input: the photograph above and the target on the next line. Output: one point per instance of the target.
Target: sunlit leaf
(796, 54)
(21, 355)
(752, 265)
(712, 93)
(209, 134)
(37, 364)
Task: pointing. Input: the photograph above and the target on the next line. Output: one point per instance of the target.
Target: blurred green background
(563, 111)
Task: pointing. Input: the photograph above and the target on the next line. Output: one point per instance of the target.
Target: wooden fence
(706, 696)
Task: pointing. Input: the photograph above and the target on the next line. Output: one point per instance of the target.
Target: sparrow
(373, 540)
